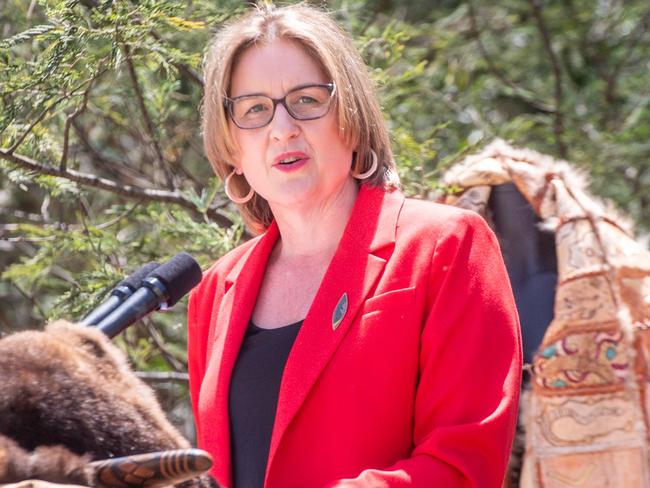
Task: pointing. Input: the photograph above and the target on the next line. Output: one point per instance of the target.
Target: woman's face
(321, 170)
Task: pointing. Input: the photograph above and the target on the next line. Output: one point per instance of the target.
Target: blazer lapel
(242, 286)
(354, 271)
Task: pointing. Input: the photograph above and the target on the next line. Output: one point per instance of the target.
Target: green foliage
(105, 90)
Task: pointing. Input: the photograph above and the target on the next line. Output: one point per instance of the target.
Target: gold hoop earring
(371, 171)
(229, 194)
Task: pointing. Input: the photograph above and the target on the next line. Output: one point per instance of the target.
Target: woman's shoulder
(220, 269)
(444, 233)
(439, 218)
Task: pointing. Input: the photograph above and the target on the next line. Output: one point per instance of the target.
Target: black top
(254, 390)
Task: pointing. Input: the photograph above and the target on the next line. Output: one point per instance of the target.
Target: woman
(362, 339)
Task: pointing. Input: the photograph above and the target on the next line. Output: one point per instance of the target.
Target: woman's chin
(293, 200)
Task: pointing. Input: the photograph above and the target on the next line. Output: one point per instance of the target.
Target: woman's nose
(283, 125)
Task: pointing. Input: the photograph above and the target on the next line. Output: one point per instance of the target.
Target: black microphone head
(179, 275)
(134, 280)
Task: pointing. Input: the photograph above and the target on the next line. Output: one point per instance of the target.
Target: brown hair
(359, 115)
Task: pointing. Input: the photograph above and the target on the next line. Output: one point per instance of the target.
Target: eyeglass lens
(309, 102)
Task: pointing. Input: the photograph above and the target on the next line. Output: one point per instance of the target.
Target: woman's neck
(308, 232)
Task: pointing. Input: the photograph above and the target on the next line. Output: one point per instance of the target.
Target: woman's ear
(236, 167)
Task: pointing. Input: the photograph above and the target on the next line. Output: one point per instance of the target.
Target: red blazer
(418, 384)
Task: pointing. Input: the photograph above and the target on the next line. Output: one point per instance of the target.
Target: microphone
(161, 289)
(121, 292)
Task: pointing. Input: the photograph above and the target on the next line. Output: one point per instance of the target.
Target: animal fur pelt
(68, 386)
(39, 484)
(49, 463)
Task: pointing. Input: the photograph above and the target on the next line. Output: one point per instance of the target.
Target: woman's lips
(296, 165)
(298, 160)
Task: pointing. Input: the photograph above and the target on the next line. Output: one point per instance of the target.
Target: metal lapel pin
(339, 311)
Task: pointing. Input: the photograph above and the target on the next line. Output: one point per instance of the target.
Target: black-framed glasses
(306, 102)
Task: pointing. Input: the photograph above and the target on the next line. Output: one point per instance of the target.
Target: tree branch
(64, 96)
(114, 167)
(155, 335)
(146, 194)
(519, 92)
(635, 37)
(162, 163)
(557, 73)
(163, 376)
(20, 215)
(68, 123)
(30, 299)
(183, 68)
(38, 120)
(15, 240)
(43, 224)
(55, 270)
(126, 171)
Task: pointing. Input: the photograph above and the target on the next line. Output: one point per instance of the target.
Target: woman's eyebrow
(297, 87)
(255, 94)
